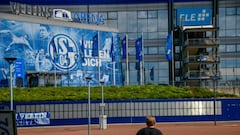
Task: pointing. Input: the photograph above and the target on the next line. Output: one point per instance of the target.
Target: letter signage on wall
(60, 14)
(194, 16)
(33, 119)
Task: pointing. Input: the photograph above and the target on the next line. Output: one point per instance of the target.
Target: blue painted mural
(66, 50)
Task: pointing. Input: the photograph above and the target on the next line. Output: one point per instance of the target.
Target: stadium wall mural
(70, 54)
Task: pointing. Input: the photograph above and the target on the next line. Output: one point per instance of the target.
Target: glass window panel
(231, 22)
(238, 11)
(224, 78)
(230, 48)
(132, 21)
(230, 63)
(153, 50)
(145, 35)
(163, 34)
(177, 49)
(163, 65)
(152, 25)
(122, 18)
(230, 33)
(238, 48)
(104, 14)
(231, 77)
(238, 33)
(132, 35)
(112, 15)
(237, 65)
(238, 20)
(222, 22)
(153, 35)
(177, 64)
(162, 50)
(162, 20)
(163, 73)
(222, 18)
(222, 12)
(223, 63)
(162, 80)
(231, 11)
(152, 14)
(142, 14)
(222, 33)
(113, 23)
(131, 51)
(142, 25)
(222, 48)
(145, 50)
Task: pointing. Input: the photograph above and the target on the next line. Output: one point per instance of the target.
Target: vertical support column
(215, 20)
(170, 28)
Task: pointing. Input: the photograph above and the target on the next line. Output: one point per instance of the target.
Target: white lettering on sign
(194, 16)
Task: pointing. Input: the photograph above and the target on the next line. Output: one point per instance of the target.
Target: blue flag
(112, 50)
(82, 46)
(152, 74)
(169, 47)
(95, 46)
(124, 48)
(139, 50)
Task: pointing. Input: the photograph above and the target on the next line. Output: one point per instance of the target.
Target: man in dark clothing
(150, 129)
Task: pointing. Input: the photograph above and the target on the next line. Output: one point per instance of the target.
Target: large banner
(56, 49)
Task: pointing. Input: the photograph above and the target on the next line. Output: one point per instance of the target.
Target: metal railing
(202, 41)
(204, 74)
(202, 58)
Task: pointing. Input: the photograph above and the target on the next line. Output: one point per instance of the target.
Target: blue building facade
(153, 20)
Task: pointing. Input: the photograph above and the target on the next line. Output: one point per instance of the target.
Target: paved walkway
(227, 128)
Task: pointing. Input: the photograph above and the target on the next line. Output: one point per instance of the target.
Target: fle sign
(194, 16)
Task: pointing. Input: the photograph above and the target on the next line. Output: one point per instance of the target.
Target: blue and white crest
(64, 52)
(62, 14)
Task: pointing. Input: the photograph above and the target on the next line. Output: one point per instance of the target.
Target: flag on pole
(82, 46)
(95, 46)
(139, 50)
(169, 45)
(152, 74)
(124, 48)
(112, 50)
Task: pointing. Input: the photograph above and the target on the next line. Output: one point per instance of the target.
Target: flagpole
(98, 58)
(142, 60)
(114, 74)
(173, 74)
(127, 59)
(114, 68)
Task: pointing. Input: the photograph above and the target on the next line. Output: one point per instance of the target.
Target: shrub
(110, 93)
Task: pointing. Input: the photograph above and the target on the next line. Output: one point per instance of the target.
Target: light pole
(10, 60)
(214, 79)
(102, 105)
(89, 105)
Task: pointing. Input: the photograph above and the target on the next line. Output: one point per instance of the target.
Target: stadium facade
(204, 48)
